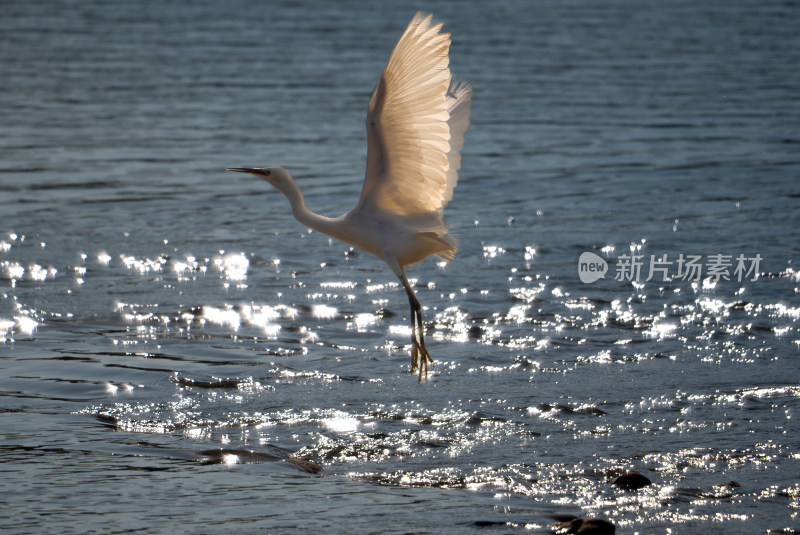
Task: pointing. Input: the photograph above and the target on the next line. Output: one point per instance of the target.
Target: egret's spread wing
(408, 135)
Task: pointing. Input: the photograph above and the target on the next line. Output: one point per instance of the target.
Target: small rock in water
(632, 481)
(489, 523)
(308, 466)
(584, 526)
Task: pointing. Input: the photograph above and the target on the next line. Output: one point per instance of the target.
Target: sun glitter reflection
(362, 321)
(259, 316)
(222, 316)
(324, 312)
(185, 270)
(26, 325)
(230, 459)
(232, 266)
(492, 251)
(14, 270)
(341, 423)
(6, 327)
(39, 273)
(144, 265)
(661, 330)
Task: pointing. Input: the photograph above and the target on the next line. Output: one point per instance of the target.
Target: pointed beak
(252, 170)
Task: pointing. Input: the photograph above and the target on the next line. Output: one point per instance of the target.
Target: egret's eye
(267, 172)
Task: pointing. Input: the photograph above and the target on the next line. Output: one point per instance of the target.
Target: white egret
(416, 122)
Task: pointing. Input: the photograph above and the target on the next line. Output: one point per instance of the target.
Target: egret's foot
(420, 358)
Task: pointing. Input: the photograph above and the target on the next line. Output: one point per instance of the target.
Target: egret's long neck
(305, 216)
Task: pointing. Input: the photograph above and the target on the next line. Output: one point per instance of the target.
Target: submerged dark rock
(475, 332)
(546, 407)
(584, 526)
(489, 523)
(632, 481)
(479, 418)
(309, 466)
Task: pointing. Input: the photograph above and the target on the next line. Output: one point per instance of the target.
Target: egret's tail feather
(448, 255)
(450, 247)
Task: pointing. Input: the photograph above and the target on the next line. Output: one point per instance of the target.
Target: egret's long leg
(414, 343)
(419, 353)
(424, 357)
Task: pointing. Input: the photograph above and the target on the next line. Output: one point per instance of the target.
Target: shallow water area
(178, 354)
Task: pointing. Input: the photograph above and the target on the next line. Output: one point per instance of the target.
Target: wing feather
(459, 98)
(412, 157)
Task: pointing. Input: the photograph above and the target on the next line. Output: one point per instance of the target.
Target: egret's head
(277, 176)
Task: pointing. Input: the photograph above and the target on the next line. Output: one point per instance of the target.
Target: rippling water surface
(179, 355)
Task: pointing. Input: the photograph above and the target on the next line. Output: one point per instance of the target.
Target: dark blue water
(179, 355)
